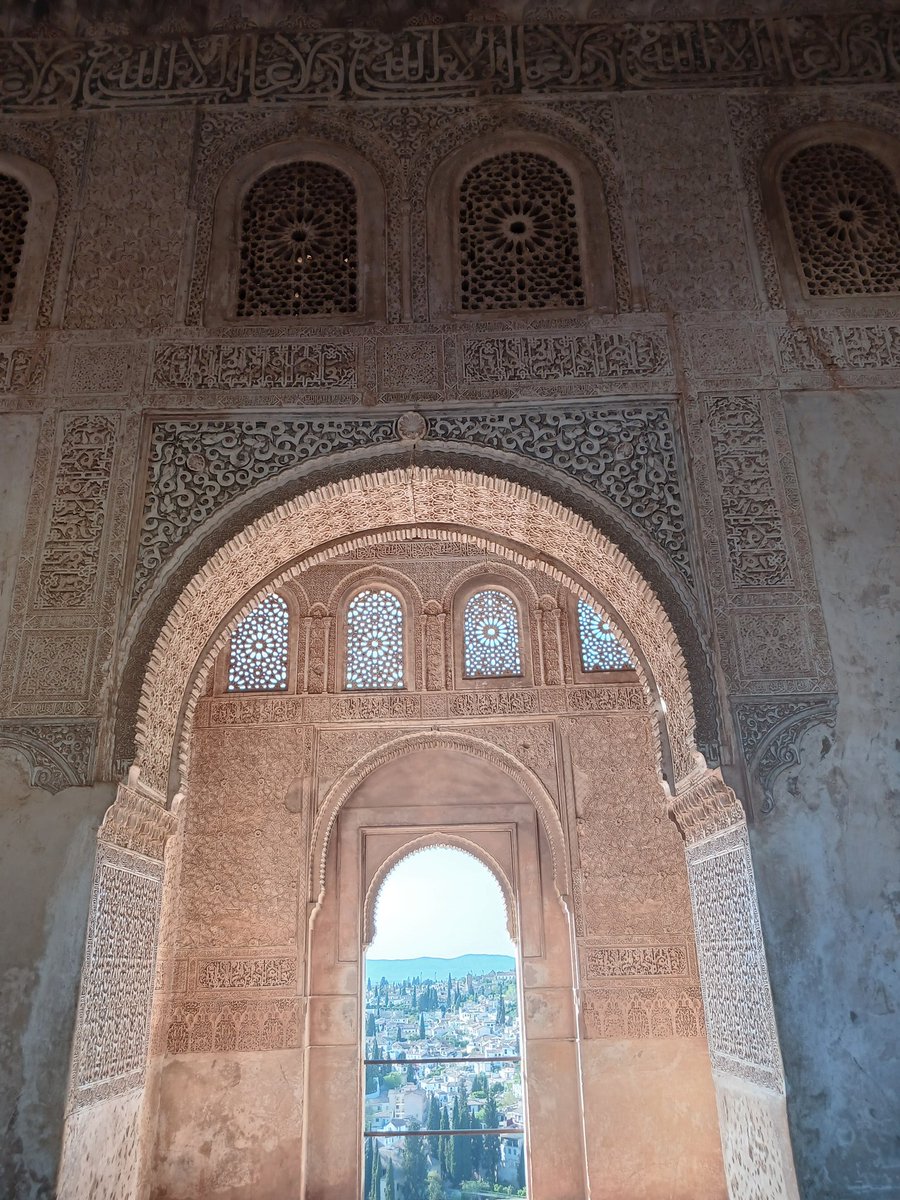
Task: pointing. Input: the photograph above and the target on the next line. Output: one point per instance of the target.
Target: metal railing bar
(441, 1132)
(386, 1062)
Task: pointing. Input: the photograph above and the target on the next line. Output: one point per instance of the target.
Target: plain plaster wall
(18, 442)
(47, 847)
(828, 858)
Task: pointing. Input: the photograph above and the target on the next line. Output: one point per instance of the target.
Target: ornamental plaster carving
(448, 739)
(447, 61)
(60, 753)
(137, 822)
(756, 1145)
(743, 1040)
(196, 628)
(770, 732)
(113, 1022)
(707, 806)
(638, 1013)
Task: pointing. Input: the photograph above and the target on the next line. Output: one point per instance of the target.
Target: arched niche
(225, 245)
(440, 788)
(41, 214)
(878, 146)
(443, 204)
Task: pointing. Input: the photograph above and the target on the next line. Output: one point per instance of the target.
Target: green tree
(462, 1146)
(433, 1121)
(444, 1154)
(501, 1011)
(415, 1166)
(375, 1186)
(421, 1027)
(436, 1188)
(390, 1192)
(490, 1158)
(371, 1150)
(520, 1169)
(399, 1034)
(370, 1024)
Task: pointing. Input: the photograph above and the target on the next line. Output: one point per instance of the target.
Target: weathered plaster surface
(654, 1134)
(225, 1126)
(827, 858)
(46, 859)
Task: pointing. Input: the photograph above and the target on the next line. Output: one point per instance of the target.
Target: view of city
(464, 1010)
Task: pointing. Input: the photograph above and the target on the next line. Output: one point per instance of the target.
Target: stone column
(433, 641)
(319, 646)
(548, 611)
(102, 1134)
(740, 1018)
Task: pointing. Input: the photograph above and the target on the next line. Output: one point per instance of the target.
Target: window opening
(518, 235)
(299, 243)
(844, 211)
(374, 640)
(491, 636)
(601, 650)
(259, 649)
(13, 220)
(443, 1106)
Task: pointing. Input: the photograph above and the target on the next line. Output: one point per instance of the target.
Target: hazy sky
(440, 903)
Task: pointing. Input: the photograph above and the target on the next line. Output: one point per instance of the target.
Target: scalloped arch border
(341, 791)
(437, 840)
(312, 528)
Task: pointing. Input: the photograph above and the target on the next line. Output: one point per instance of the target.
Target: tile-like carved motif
(200, 1026)
(68, 569)
(622, 355)
(751, 512)
(263, 365)
(602, 962)
(23, 369)
(638, 1013)
(55, 665)
(117, 977)
(851, 346)
(449, 61)
(216, 974)
(773, 643)
(739, 1013)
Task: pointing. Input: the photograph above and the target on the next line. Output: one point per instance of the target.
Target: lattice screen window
(601, 650)
(518, 236)
(844, 210)
(491, 636)
(299, 243)
(259, 649)
(374, 640)
(13, 220)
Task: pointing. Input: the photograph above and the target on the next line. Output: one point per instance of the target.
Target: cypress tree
(389, 1189)
(375, 1189)
(421, 1027)
(490, 1160)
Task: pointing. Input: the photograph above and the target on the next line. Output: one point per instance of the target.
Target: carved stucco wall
(117, 352)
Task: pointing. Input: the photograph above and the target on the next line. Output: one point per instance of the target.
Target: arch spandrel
(531, 529)
(527, 782)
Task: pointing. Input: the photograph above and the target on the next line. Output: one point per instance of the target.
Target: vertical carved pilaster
(737, 998)
(551, 651)
(318, 648)
(433, 641)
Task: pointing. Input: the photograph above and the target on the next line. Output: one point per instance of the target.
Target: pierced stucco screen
(600, 648)
(374, 641)
(491, 632)
(259, 649)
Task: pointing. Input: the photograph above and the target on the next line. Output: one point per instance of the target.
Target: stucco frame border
(43, 201)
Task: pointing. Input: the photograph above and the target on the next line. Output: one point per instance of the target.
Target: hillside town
(412, 1107)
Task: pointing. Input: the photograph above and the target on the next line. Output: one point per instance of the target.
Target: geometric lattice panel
(13, 220)
(844, 211)
(374, 640)
(298, 243)
(491, 633)
(518, 236)
(259, 649)
(600, 648)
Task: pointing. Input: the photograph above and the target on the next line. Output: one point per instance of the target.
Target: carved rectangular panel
(117, 977)
(742, 1037)
(68, 567)
(750, 507)
(265, 365)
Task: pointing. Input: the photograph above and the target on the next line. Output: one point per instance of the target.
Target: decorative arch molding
(592, 220)
(225, 241)
(230, 521)
(341, 791)
(429, 841)
(883, 147)
(40, 217)
(528, 527)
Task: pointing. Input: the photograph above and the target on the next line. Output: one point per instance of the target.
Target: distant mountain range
(394, 970)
